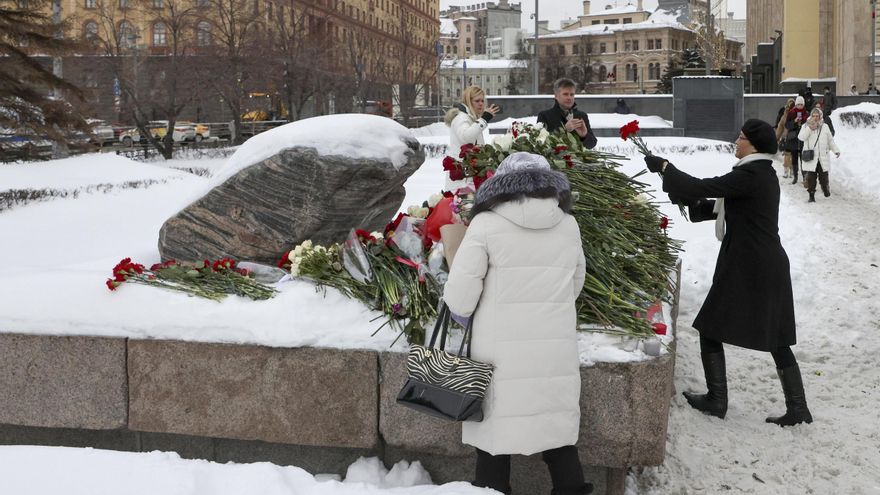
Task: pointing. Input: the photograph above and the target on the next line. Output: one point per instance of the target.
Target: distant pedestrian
(853, 91)
(872, 90)
(622, 108)
(796, 118)
(829, 101)
(817, 137)
(807, 94)
(781, 133)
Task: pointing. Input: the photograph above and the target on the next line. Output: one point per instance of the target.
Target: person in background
(872, 90)
(829, 100)
(518, 273)
(807, 94)
(565, 114)
(750, 303)
(781, 118)
(796, 118)
(817, 136)
(622, 108)
(853, 91)
(466, 122)
(825, 117)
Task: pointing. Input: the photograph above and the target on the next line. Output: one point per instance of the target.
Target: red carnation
(628, 129)
(285, 259)
(449, 163)
(664, 222)
(112, 284)
(568, 162)
(659, 328)
(560, 148)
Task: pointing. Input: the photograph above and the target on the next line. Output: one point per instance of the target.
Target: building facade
(495, 77)
(389, 43)
(620, 50)
(492, 18)
(763, 23)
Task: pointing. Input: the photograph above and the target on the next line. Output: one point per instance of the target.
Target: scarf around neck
(720, 226)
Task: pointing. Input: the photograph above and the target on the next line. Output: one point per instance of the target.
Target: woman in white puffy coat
(816, 136)
(518, 272)
(466, 122)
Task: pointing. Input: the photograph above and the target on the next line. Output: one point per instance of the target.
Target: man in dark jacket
(750, 303)
(565, 114)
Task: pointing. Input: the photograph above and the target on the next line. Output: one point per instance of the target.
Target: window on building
(499, 78)
(596, 22)
(124, 4)
(627, 46)
(589, 48)
(561, 49)
(675, 44)
(635, 45)
(575, 49)
(627, 20)
(658, 44)
(602, 47)
(160, 33)
(203, 33)
(158, 4)
(615, 47)
(91, 4)
(468, 28)
(90, 79)
(90, 30)
(612, 21)
(650, 44)
(203, 3)
(127, 35)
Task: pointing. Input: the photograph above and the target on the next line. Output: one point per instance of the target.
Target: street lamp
(535, 84)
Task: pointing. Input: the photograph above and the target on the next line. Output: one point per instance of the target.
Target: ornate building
(621, 50)
(375, 49)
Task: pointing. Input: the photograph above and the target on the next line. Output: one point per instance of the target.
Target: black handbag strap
(441, 328)
(817, 136)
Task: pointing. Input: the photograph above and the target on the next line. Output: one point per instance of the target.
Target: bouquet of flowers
(211, 280)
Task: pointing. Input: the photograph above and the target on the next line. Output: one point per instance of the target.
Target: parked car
(102, 132)
(202, 131)
(159, 128)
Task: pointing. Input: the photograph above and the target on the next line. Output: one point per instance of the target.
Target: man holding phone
(565, 113)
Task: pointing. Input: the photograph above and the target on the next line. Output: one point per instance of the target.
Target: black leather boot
(812, 198)
(566, 471)
(715, 401)
(796, 410)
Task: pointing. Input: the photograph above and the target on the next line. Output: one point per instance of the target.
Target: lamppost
(535, 85)
(874, 44)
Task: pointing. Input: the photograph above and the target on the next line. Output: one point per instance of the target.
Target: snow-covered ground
(57, 253)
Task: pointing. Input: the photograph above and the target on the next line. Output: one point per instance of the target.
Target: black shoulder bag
(442, 384)
(808, 155)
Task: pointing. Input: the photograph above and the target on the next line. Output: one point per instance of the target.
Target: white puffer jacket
(523, 262)
(825, 143)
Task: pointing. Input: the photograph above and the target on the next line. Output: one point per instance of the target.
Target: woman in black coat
(750, 303)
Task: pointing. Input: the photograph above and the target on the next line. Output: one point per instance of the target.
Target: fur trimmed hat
(523, 175)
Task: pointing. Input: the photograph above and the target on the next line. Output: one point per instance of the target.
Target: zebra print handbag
(442, 384)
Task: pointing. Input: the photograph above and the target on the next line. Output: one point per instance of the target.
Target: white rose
(411, 211)
(434, 199)
(504, 142)
(297, 252)
(294, 269)
(307, 244)
(543, 135)
(320, 249)
(421, 213)
(377, 235)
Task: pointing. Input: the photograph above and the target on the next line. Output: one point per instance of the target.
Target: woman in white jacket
(466, 122)
(817, 136)
(519, 271)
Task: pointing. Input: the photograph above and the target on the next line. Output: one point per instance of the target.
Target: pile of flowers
(401, 271)
(209, 279)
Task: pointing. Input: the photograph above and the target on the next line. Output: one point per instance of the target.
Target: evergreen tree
(27, 103)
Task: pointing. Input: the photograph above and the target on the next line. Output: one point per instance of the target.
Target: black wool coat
(750, 303)
(555, 118)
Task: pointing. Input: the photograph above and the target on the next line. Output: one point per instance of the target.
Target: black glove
(655, 163)
(682, 200)
(487, 116)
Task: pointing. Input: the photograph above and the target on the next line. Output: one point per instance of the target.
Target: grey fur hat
(523, 175)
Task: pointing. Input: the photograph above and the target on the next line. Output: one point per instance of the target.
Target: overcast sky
(556, 10)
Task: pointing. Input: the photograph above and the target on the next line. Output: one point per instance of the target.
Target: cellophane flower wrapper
(355, 260)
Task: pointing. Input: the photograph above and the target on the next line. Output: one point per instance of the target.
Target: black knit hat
(761, 135)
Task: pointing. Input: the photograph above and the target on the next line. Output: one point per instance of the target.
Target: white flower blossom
(543, 135)
(296, 253)
(504, 142)
(307, 244)
(417, 212)
(434, 199)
